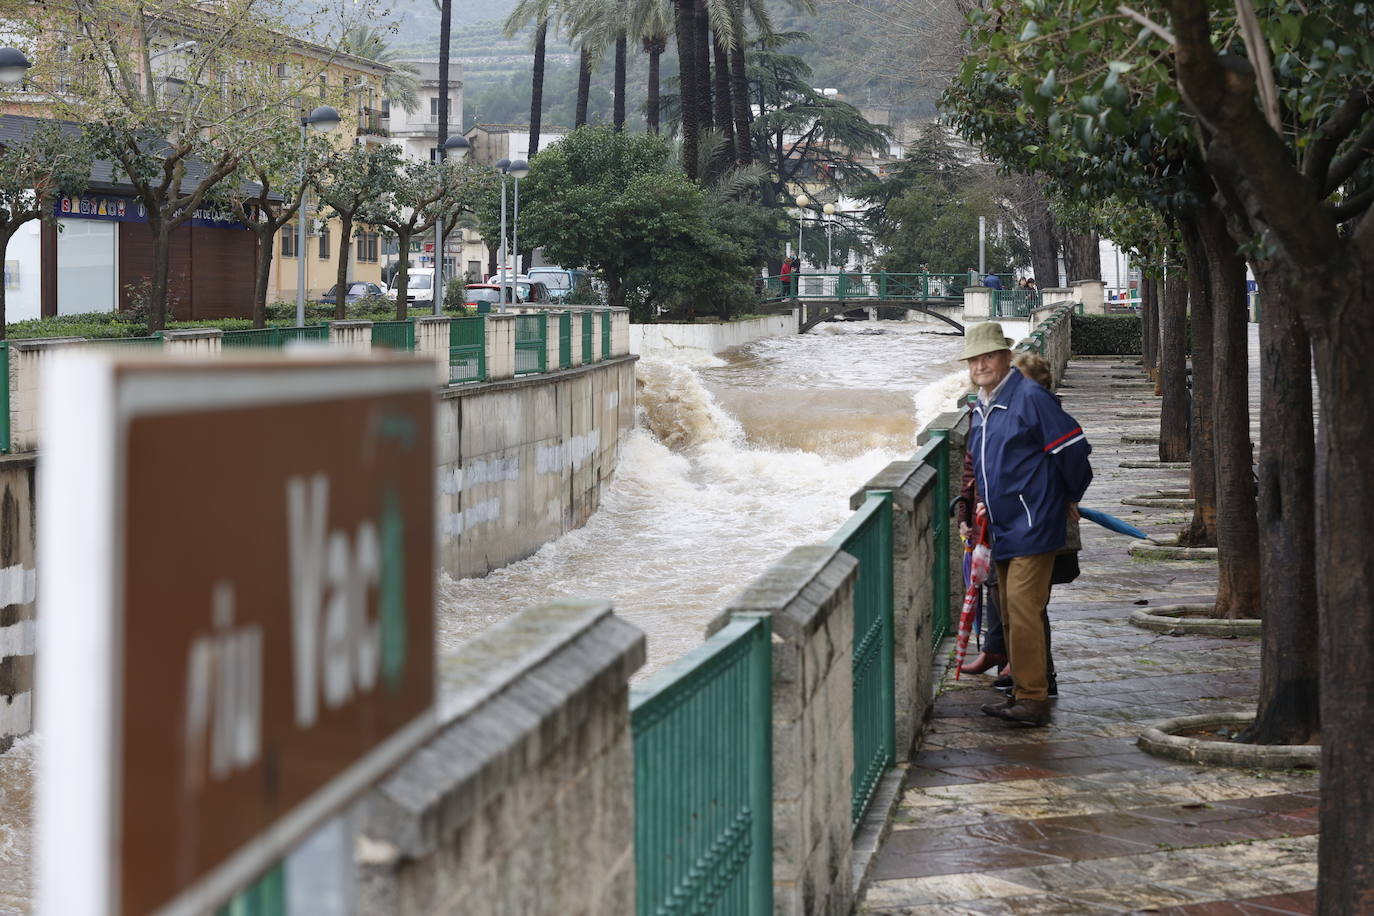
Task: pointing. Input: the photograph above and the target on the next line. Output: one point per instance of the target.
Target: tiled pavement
(1073, 818)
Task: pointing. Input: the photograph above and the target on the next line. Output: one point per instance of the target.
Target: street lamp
(829, 225)
(518, 169)
(13, 66)
(322, 120)
(502, 166)
(458, 147)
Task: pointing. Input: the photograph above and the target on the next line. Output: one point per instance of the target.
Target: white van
(419, 287)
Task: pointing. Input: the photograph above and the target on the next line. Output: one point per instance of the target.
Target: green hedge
(1106, 335)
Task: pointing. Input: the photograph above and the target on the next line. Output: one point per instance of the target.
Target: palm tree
(651, 21)
(539, 12)
(597, 25)
(400, 86)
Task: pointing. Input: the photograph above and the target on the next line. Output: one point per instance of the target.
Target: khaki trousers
(1025, 592)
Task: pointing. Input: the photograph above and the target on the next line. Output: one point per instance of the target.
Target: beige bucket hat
(985, 338)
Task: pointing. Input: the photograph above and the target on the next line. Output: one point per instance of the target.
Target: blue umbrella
(1112, 523)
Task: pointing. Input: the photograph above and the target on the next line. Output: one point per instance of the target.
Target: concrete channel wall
(17, 577)
(709, 337)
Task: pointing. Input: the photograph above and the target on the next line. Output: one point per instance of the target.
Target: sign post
(238, 621)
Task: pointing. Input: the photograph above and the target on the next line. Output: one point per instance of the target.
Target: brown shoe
(984, 662)
(1031, 713)
(998, 709)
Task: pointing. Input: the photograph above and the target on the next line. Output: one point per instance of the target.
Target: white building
(417, 133)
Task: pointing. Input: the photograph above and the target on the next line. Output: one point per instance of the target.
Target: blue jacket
(1030, 459)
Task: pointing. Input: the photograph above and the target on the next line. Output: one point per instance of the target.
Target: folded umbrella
(980, 564)
(1112, 523)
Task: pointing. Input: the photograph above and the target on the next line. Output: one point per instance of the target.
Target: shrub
(1106, 335)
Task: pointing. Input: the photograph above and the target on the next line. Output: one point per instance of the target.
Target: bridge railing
(703, 759)
(1014, 303)
(879, 285)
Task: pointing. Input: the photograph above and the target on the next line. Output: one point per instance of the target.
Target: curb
(1172, 620)
(1159, 740)
(1158, 502)
(1139, 439)
(1156, 464)
(1163, 551)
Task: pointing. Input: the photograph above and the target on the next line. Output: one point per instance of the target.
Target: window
(324, 244)
(434, 109)
(474, 271)
(324, 87)
(288, 240)
(367, 247)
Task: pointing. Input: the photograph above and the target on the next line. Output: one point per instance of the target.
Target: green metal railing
(936, 454)
(703, 734)
(606, 334)
(565, 340)
(1014, 303)
(882, 285)
(273, 338)
(531, 343)
(394, 335)
(587, 330)
(867, 537)
(4, 397)
(467, 349)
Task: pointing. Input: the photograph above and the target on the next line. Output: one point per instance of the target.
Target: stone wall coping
(954, 420)
(908, 481)
(44, 343)
(18, 461)
(470, 389)
(420, 318)
(795, 591)
(192, 333)
(502, 316)
(351, 323)
(1086, 282)
(506, 698)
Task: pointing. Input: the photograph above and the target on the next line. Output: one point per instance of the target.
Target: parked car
(533, 291)
(560, 282)
(355, 291)
(419, 287)
(481, 296)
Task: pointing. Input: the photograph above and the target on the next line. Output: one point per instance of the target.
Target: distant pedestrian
(786, 276)
(992, 281)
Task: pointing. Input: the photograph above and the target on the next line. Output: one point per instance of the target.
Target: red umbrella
(980, 564)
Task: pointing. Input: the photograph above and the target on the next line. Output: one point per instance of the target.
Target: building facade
(417, 132)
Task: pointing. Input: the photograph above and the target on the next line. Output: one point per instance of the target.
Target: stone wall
(523, 802)
(809, 594)
(522, 462)
(708, 337)
(17, 624)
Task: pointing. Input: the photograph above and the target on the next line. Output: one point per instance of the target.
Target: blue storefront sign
(112, 208)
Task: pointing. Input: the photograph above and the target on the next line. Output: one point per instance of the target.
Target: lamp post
(518, 169)
(829, 241)
(323, 119)
(458, 145)
(14, 66)
(802, 202)
(502, 166)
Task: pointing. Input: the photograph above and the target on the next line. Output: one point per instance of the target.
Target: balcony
(372, 123)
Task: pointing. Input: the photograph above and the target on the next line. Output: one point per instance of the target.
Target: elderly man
(1030, 460)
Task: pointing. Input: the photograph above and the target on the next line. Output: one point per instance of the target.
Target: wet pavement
(1073, 818)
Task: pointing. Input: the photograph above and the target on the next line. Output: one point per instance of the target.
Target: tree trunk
(654, 48)
(341, 278)
(584, 86)
(1290, 664)
(1173, 364)
(1149, 327)
(445, 35)
(685, 22)
(724, 110)
(541, 36)
(1044, 236)
(739, 92)
(266, 238)
(1238, 563)
(702, 70)
(618, 109)
(402, 283)
(1202, 530)
(492, 254)
(157, 292)
(1082, 256)
(1341, 324)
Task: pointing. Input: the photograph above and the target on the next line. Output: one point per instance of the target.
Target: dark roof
(18, 128)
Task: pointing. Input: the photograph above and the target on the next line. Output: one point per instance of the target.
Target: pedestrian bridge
(824, 296)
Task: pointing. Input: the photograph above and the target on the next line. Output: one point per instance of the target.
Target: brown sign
(273, 608)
